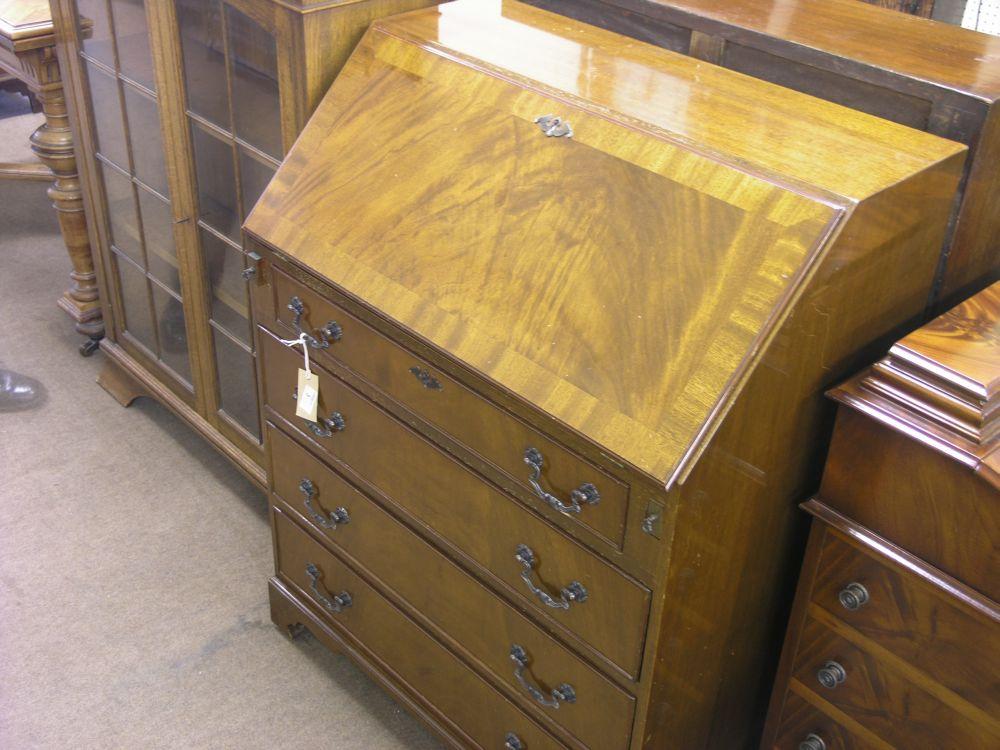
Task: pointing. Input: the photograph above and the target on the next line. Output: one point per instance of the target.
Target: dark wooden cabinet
(572, 303)
(923, 8)
(928, 75)
(184, 109)
(894, 640)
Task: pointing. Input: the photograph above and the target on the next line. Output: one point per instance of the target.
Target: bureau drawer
(878, 696)
(805, 727)
(600, 714)
(405, 651)
(495, 435)
(601, 605)
(932, 630)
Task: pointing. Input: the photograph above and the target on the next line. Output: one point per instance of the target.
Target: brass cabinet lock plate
(652, 522)
(253, 269)
(554, 127)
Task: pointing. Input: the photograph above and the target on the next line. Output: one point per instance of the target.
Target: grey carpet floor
(134, 558)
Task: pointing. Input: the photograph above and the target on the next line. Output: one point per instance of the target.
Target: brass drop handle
(513, 742)
(326, 426)
(562, 694)
(336, 517)
(585, 494)
(330, 332)
(812, 741)
(853, 596)
(831, 674)
(574, 592)
(335, 604)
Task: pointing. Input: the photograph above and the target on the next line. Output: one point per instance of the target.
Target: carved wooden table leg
(28, 53)
(53, 143)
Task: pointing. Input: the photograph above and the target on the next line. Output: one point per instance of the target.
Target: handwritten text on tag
(308, 400)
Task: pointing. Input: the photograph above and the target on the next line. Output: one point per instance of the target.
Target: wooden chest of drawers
(571, 336)
(888, 648)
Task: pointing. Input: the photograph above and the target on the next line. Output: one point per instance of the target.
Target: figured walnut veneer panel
(960, 348)
(915, 621)
(884, 698)
(493, 433)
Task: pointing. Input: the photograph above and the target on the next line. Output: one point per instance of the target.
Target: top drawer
(565, 482)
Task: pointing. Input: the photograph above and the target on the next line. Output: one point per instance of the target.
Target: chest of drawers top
(608, 232)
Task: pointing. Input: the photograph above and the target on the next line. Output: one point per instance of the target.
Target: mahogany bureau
(894, 640)
(928, 75)
(572, 302)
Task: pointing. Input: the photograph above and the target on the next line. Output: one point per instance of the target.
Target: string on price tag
(307, 390)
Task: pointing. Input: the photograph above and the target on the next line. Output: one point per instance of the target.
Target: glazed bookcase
(184, 109)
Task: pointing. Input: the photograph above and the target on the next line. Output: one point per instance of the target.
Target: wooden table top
(25, 24)
(939, 53)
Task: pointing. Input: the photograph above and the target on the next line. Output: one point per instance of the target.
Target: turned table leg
(53, 143)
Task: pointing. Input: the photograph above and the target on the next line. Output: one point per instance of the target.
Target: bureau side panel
(974, 259)
(738, 536)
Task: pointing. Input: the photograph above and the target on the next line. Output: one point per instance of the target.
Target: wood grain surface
(708, 253)
(961, 350)
(496, 435)
(679, 338)
(907, 511)
(893, 703)
(407, 655)
(22, 20)
(458, 505)
(950, 56)
(918, 622)
(928, 75)
(452, 601)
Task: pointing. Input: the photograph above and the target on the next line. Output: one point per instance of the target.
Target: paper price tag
(308, 400)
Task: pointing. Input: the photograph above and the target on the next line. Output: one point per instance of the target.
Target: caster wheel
(89, 347)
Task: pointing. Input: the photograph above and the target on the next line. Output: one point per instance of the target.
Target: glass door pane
(254, 56)
(234, 116)
(204, 55)
(213, 161)
(134, 56)
(139, 224)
